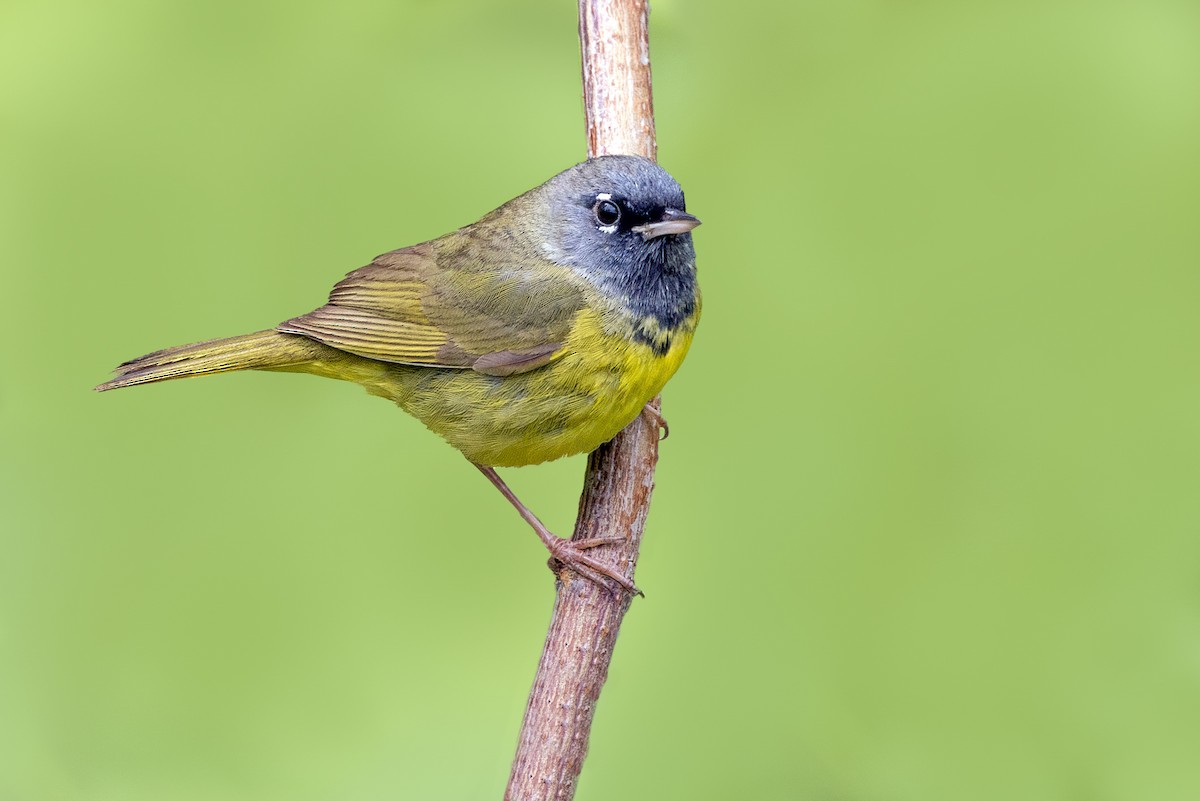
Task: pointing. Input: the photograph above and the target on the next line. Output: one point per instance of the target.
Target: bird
(537, 332)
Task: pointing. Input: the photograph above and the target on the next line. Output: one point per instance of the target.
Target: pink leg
(570, 553)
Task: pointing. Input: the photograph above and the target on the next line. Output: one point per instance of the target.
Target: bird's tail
(264, 350)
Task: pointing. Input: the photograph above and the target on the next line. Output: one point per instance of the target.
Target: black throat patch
(661, 292)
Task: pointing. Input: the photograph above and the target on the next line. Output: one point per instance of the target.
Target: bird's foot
(571, 554)
(655, 417)
(595, 542)
(566, 553)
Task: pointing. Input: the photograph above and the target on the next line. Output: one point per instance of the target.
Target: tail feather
(263, 350)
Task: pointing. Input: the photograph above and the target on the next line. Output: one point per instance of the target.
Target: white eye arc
(607, 212)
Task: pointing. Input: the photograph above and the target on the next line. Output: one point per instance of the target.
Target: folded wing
(406, 308)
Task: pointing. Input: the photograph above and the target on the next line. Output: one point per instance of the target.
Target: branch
(614, 39)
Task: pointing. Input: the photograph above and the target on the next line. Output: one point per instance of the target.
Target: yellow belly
(596, 385)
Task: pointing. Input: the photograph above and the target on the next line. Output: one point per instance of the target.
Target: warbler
(538, 332)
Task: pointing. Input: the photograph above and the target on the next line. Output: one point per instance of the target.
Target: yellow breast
(592, 389)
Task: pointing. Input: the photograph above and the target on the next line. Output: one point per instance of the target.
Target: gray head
(621, 221)
(614, 208)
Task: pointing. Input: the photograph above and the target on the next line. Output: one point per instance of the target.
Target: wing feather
(447, 307)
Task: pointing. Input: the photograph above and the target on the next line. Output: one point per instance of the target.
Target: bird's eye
(607, 212)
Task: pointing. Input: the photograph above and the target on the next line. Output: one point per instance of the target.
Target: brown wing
(439, 306)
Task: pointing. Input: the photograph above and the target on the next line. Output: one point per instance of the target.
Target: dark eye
(607, 212)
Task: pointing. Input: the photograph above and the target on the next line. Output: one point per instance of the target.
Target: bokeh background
(928, 525)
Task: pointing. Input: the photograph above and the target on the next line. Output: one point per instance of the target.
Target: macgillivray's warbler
(538, 332)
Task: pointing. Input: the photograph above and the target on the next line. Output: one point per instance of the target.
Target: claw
(657, 420)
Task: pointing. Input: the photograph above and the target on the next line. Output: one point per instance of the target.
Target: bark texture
(614, 40)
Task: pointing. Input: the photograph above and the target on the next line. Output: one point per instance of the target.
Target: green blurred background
(928, 526)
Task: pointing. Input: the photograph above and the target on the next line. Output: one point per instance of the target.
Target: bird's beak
(672, 221)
